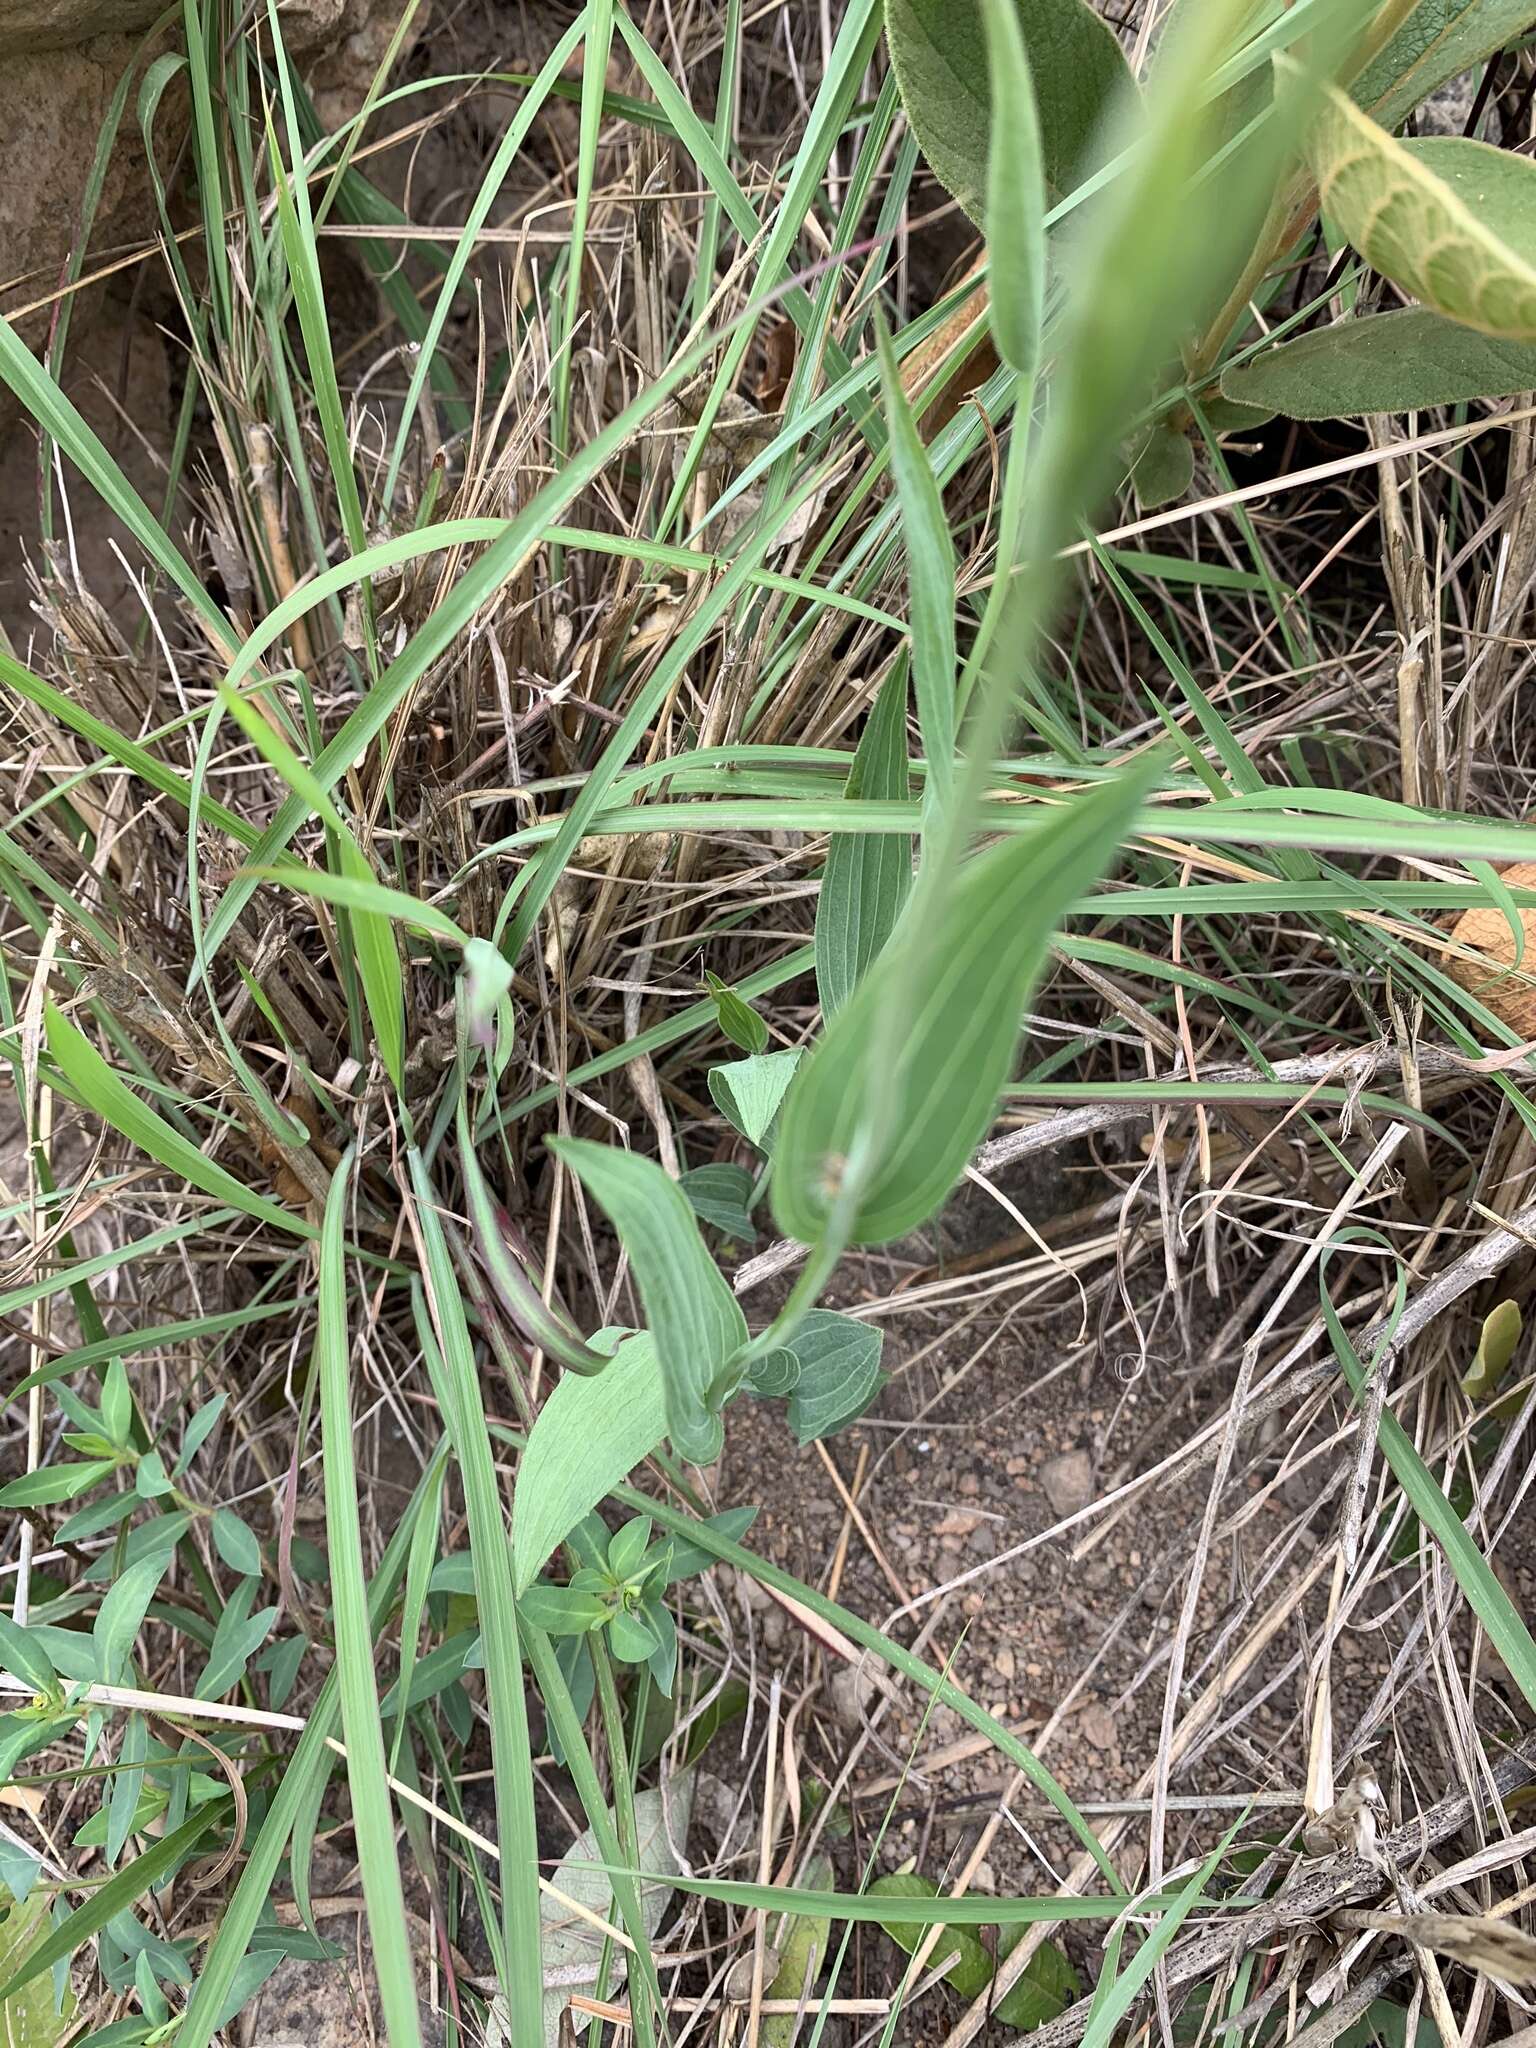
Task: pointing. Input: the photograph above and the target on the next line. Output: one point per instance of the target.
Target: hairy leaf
(1453, 223)
(1386, 362)
(939, 50)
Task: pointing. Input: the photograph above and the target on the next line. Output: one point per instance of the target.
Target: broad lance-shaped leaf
(691, 1312)
(939, 50)
(960, 991)
(868, 875)
(1386, 362)
(1439, 40)
(1453, 223)
(589, 1435)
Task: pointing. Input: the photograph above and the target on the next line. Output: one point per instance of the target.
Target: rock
(29, 25)
(853, 1693)
(1097, 1725)
(52, 105)
(1067, 1481)
(957, 1523)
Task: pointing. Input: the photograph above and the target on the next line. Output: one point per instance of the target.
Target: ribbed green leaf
(868, 875)
(692, 1314)
(1015, 194)
(590, 1434)
(961, 995)
(939, 50)
(1452, 222)
(836, 1372)
(1386, 362)
(750, 1092)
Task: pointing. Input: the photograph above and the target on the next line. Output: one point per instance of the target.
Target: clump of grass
(567, 843)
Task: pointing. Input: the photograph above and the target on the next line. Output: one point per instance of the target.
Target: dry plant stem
(1380, 1157)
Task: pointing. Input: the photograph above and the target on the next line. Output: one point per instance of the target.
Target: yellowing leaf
(1451, 222)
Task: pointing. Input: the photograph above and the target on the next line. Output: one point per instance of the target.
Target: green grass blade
(511, 1761)
(372, 1818)
(101, 1090)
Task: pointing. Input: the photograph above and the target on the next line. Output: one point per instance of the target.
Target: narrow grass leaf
(1480, 1587)
(372, 1821)
(457, 1383)
(102, 1091)
(914, 1126)
(930, 578)
(694, 1318)
(1015, 195)
(1106, 2016)
(868, 875)
(309, 1766)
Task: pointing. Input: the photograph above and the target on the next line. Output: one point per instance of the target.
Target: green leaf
(1048, 1985)
(1163, 467)
(918, 1123)
(691, 1312)
(118, 1895)
(235, 1543)
(1439, 40)
(51, 1483)
(930, 577)
(738, 1020)
(589, 1435)
(1015, 195)
(1451, 222)
(23, 1656)
(117, 1405)
(868, 875)
(561, 1610)
(939, 51)
(372, 1817)
(838, 1361)
(720, 1194)
(1495, 1348)
(31, 2018)
(749, 1092)
(96, 1085)
(122, 1614)
(631, 1636)
(971, 1971)
(1386, 362)
(802, 1947)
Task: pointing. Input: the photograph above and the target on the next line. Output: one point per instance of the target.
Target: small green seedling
(620, 1594)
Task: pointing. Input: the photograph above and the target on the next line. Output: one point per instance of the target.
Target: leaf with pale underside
(1452, 223)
